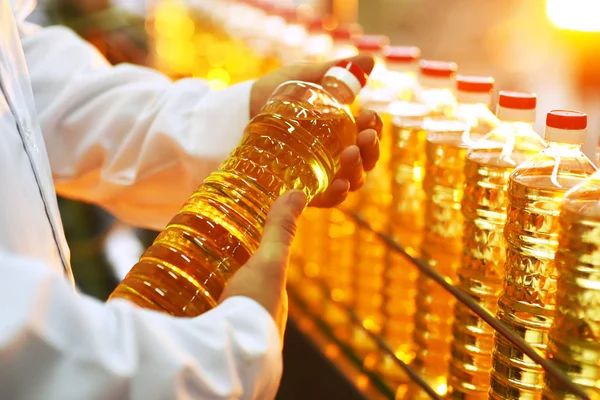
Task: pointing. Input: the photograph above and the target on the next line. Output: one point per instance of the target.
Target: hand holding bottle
(355, 160)
(263, 277)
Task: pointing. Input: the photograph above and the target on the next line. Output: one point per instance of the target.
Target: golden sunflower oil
(489, 163)
(374, 199)
(448, 139)
(574, 342)
(536, 190)
(406, 168)
(294, 143)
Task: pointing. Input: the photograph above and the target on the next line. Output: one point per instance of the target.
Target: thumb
(280, 226)
(262, 278)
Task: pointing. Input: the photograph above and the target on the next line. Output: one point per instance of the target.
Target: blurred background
(544, 46)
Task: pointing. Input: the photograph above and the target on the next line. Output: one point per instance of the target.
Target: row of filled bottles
(477, 195)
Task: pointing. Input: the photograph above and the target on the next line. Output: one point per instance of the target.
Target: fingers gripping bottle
(536, 190)
(574, 343)
(293, 143)
(487, 168)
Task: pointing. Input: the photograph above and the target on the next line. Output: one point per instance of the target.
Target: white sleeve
(55, 344)
(127, 137)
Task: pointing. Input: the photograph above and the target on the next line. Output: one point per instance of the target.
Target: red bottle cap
(372, 42)
(517, 100)
(401, 53)
(346, 32)
(349, 73)
(355, 70)
(474, 84)
(438, 69)
(315, 25)
(566, 119)
(289, 14)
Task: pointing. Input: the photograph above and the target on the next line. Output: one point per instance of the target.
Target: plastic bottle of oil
(437, 87)
(373, 203)
(448, 140)
(399, 81)
(474, 97)
(487, 168)
(536, 190)
(574, 342)
(407, 170)
(402, 63)
(293, 143)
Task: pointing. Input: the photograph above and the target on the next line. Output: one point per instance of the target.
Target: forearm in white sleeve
(127, 137)
(55, 344)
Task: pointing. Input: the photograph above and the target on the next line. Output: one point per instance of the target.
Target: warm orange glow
(441, 388)
(576, 15)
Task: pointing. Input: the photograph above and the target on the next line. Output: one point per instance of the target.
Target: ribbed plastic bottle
(574, 342)
(489, 163)
(373, 201)
(448, 140)
(406, 171)
(406, 213)
(400, 84)
(293, 143)
(536, 190)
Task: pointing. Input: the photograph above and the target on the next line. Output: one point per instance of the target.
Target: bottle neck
(563, 149)
(474, 98)
(519, 126)
(339, 89)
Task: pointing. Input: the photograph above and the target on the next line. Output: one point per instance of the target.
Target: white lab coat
(132, 141)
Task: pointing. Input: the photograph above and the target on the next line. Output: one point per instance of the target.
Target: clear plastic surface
(528, 300)
(574, 341)
(488, 166)
(294, 143)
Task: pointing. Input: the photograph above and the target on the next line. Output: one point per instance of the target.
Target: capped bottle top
(289, 14)
(517, 100)
(474, 89)
(372, 43)
(401, 54)
(437, 69)
(566, 126)
(516, 106)
(346, 32)
(474, 84)
(315, 25)
(350, 73)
